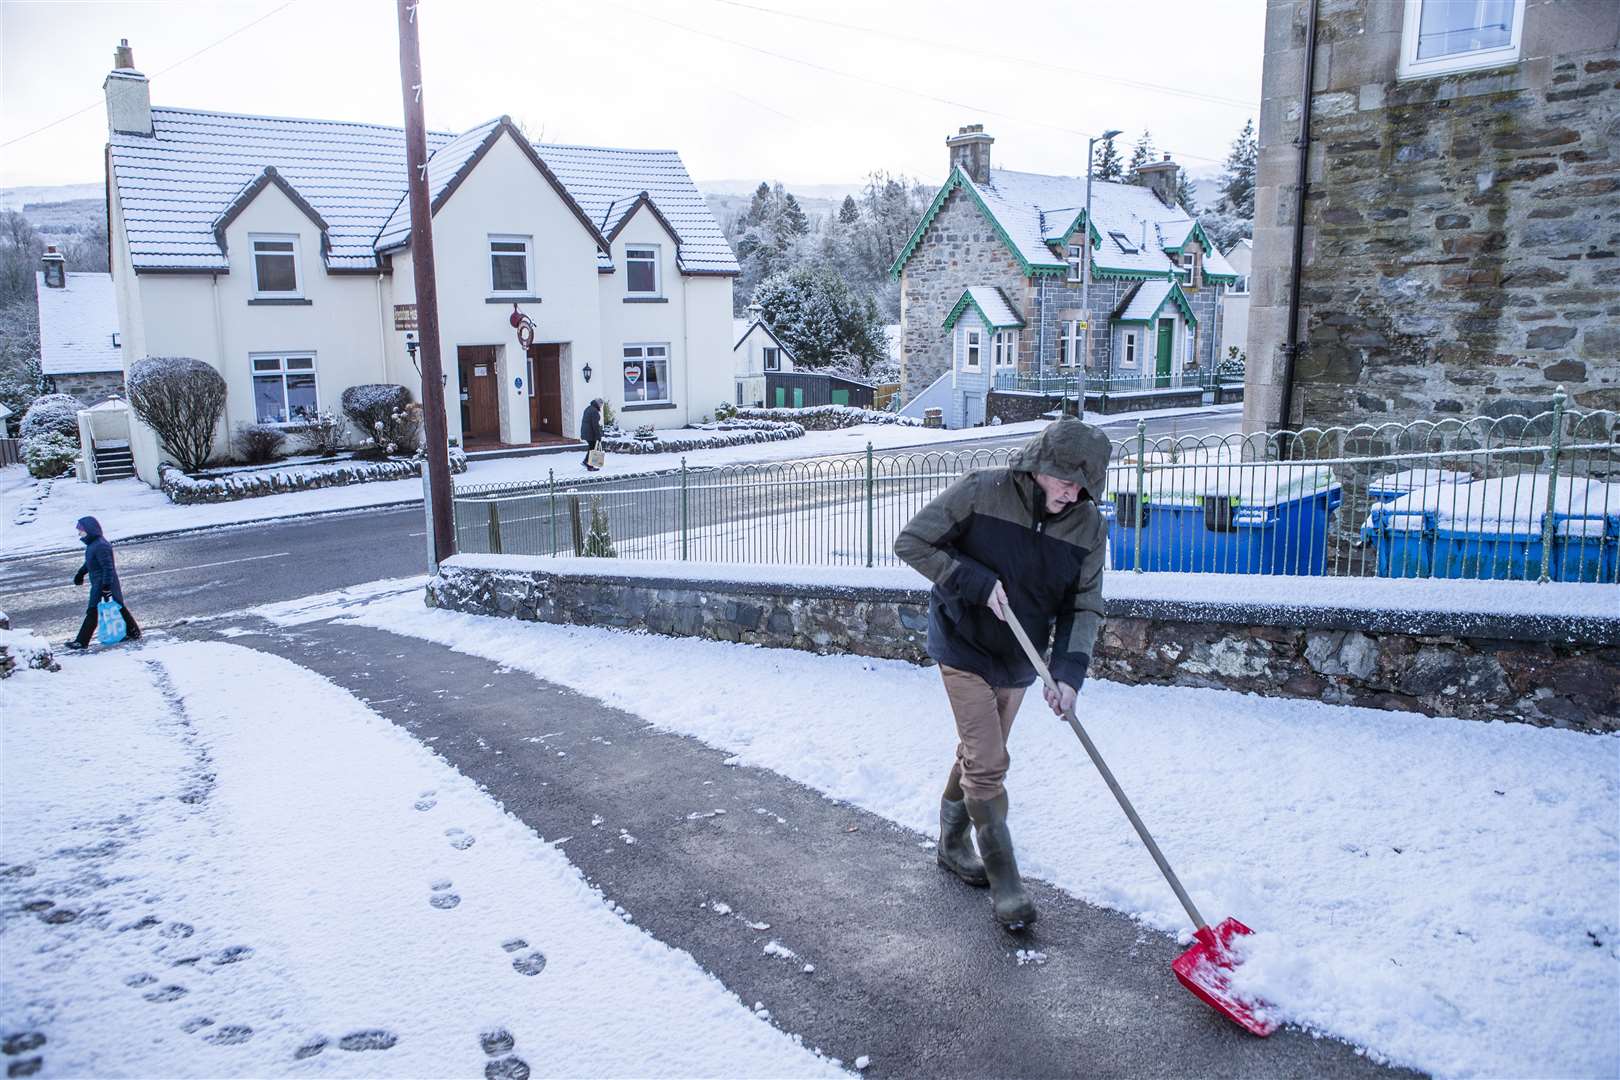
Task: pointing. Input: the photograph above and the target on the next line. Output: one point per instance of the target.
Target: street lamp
(1085, 279)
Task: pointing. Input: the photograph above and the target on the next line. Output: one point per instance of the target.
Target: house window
(284, 388)
(1123, 242)
(1129, 356)
(969, 345)
(1240, 287)
(1440, 36)
(1004, 349)
(1071, 350)
(646, 373)
(275, 266)
(509, 265)
(1074, 262)
(773, 358)
(641, 270)
(1191, 359)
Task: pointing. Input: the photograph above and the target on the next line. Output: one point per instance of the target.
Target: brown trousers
(984, 719)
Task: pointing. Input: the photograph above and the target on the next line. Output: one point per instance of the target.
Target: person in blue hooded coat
(102, 571)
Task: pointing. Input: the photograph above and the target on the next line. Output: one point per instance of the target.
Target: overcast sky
(806, 91)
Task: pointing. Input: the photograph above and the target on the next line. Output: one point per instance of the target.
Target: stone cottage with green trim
(990, 284)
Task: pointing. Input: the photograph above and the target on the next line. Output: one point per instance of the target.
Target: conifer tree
(1237, 181)
(1185, 195)
(849, 213)
(1106, 165)
(599, 542)
(1143, 153)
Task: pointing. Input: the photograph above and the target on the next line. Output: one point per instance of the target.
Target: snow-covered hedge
(49, 454)
(52, 414)
(24, 649)
(253, 483)
(828, 417)
(704, 437)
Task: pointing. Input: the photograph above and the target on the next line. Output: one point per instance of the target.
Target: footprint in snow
(166, 994)
(22, 1042)
(442, 898)
(310, 1048)
(426, 803)
(232, 955)
(177, 930)
(459, 839)
(196, 1024)
(531, 962)
(230, 1035)
(507, 1068)
(496, 1041)
(372, 1039)
(30, 1066)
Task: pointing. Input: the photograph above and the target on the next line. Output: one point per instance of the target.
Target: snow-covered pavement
(1440, 892)
(216, 863)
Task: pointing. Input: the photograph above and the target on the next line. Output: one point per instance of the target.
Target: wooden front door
(1167, 344)
(480, 407)
(545, 390)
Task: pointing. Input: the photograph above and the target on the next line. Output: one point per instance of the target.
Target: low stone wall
(1017, 406)
(1545, 670)
(279, 480)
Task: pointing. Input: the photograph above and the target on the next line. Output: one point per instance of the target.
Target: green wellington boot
(955, 852)
(1013, 907)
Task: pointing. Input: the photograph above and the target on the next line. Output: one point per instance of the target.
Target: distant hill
(15, 198)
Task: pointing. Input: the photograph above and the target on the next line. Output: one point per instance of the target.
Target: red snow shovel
(1206, 968)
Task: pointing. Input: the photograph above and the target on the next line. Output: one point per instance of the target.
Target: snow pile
(240, 868)
(828, 417)
(706, 437)
(1415, 881)
(254, 483)
(21, 650)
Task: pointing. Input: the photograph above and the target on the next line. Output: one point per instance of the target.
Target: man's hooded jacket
(992, 525)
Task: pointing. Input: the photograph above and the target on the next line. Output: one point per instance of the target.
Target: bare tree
(181, 399)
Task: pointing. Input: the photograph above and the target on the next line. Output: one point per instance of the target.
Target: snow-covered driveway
(216, 863)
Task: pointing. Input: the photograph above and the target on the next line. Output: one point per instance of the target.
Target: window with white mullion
(509, 265)
(1074, 262)
(641, 270)
(1004, 350)
(1440, 36)
(275, 266)
(284, 390)
(972, 342)
(646, 373)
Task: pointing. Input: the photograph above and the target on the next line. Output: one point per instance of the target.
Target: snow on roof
(993, 307)
(1144, 301)
(742, 328)
(77, 324)
(174, 185)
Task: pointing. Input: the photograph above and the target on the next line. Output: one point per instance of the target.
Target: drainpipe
(1303, 142)
(382, 334)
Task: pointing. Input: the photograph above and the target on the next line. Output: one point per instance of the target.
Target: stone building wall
(959, 249)
(92, 388)
(1546, 671)
(1462, 240)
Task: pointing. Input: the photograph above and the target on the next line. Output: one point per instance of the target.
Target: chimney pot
(970, 152)
(1162, 177)
(54, 268)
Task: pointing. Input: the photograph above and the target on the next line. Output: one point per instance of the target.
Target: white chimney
(129, 96)
(755, 313)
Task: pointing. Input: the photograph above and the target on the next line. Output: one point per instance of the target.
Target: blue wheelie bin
(1224, 534)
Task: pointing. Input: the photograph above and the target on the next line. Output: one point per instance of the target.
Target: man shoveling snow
(1028, 541)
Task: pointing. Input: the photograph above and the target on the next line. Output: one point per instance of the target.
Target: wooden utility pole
(441, 518)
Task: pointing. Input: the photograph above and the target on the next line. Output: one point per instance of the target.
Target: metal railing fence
(1057, 383)
(1523, 497)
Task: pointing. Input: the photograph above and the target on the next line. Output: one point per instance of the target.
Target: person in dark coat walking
(590, 431)
(102, 571)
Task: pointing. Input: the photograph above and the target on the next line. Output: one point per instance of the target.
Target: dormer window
(275, 266)
(641, 270)
(1074, 262)
(509, 265)
(1124, 242)
(1187, 267)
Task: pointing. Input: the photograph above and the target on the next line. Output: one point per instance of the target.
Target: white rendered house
(278, 251)
(758, 354)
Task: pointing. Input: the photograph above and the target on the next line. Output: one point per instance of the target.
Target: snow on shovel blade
(1206, 970)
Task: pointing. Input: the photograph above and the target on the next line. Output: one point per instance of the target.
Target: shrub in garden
(257, 444)
(181, 400)
(599, 541)
(50, 454)
(324, 434)
(52, 414)
(387, 416)
(724, 411)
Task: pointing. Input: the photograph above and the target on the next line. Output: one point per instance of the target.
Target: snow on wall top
(173, 186)
(77, 324)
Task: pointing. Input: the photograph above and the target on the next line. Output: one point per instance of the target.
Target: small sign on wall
(405, 317)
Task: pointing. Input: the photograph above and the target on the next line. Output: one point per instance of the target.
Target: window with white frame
(1074, 262)
(773, 358)
(1189, 260)
(1440, 36)
(1004, 350)
(1128, 355)
(646, 373)
(641, 270)
(509, 265)
(275, 266)
(968, 346)
(1190, 358)
(284, 387)
(1071, 347)
(1240, 287)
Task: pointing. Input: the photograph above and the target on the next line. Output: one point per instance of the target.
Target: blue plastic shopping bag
(110, 628)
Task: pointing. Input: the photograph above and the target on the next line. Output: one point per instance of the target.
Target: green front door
(781, 396)
(1167, 343)
(798, 397)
